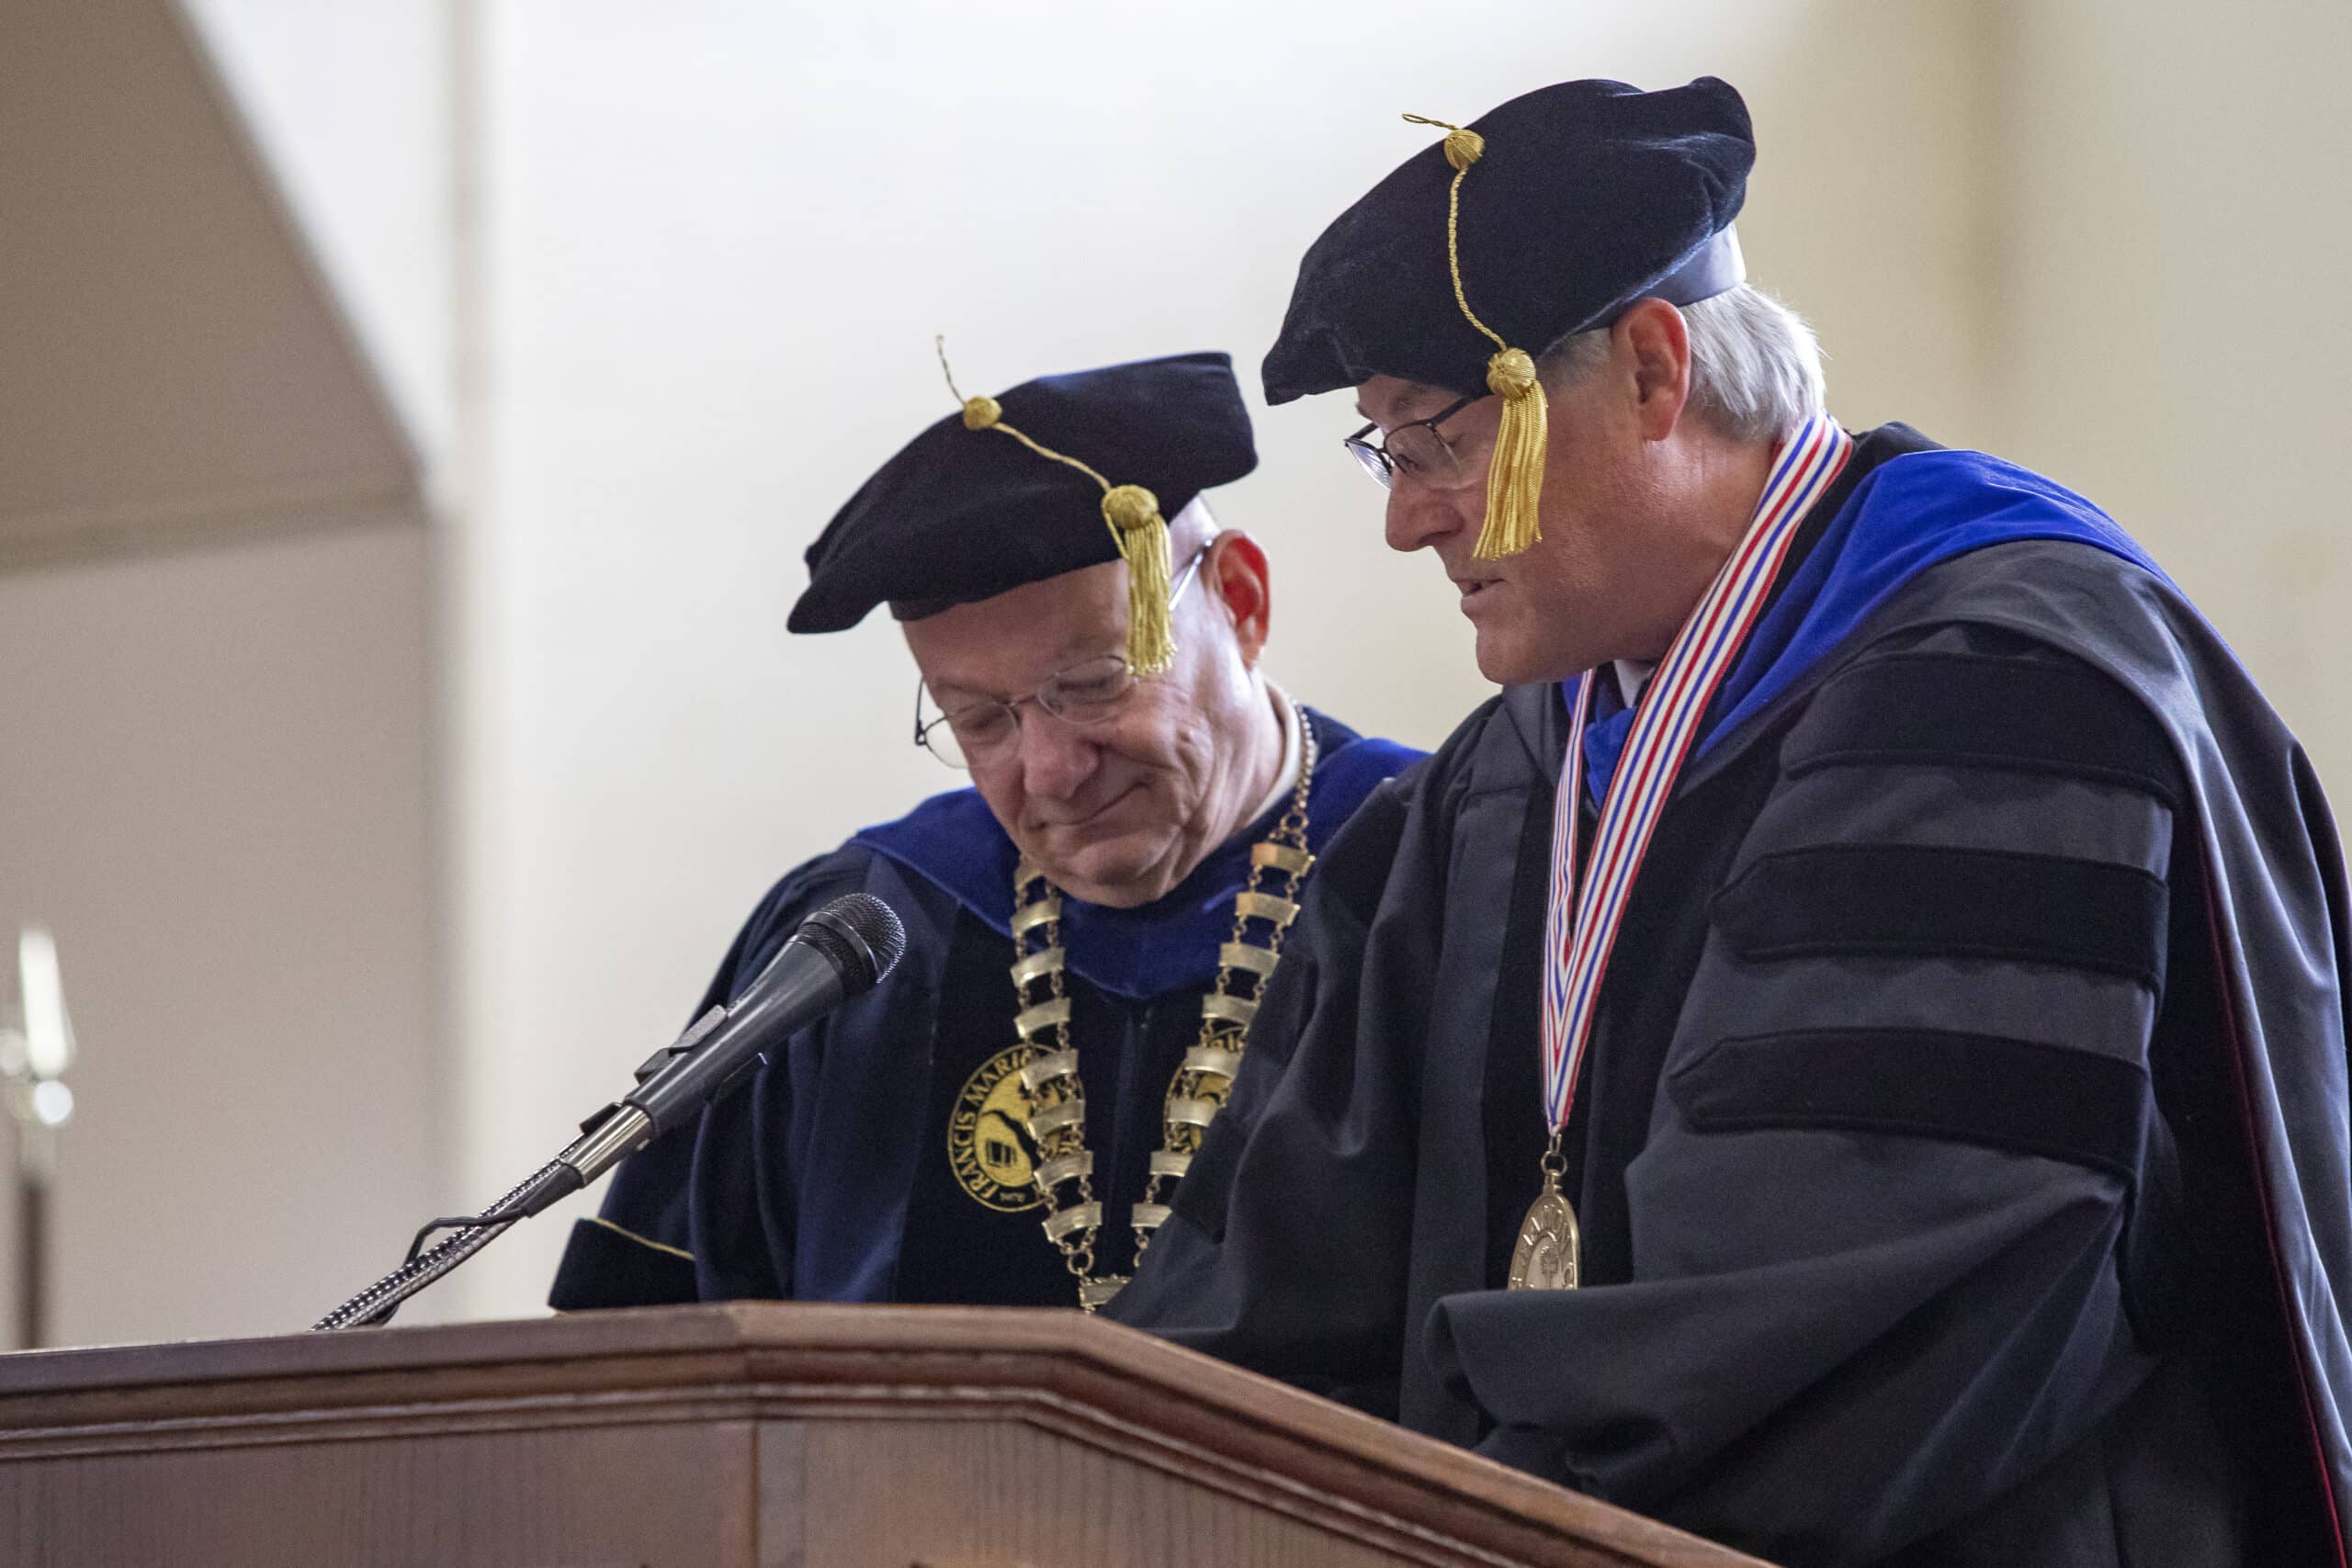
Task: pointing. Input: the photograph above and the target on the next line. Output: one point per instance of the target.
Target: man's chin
(1509, 660)
(1502, 661)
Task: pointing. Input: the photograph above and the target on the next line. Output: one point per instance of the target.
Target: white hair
(1755, 366)
(1194, 516)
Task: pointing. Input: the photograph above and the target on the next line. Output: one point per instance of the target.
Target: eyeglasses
(1085, 694)
(1416, 450)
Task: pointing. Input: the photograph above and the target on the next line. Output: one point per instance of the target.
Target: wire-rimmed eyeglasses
(1089, 692)
(1417, 450)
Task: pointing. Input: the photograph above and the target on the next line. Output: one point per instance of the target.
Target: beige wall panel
(168, 357)
(213, 790)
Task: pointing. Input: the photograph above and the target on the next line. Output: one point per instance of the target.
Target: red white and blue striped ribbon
(1580, 925)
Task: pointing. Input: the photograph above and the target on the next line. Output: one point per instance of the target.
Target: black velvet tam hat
(1549, 216)
(1094, 461)
(1581, 198)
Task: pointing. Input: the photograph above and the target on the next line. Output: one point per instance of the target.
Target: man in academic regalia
(1846, 1054)
(1003, 1119)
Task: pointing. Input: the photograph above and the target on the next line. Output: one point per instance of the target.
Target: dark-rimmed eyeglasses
(1415, 451)
(1084, 695)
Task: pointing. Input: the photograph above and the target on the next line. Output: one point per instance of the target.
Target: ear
(1235, 576)
(1654, 338)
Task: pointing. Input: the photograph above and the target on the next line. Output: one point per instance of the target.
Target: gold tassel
(1132, 512)
(1515, 471)
(1141, 534)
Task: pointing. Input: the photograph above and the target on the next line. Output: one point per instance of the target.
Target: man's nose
(1056, 757)
(1419, 517)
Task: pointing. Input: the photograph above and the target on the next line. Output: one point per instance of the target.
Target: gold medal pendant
(1547, 1254)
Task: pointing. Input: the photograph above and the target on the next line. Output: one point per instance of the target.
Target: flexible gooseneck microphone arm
(839, 952)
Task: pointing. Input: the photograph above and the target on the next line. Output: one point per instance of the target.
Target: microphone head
(875, 939)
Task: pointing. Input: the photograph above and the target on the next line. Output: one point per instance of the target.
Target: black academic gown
(879, 1156)
(1961, 1149)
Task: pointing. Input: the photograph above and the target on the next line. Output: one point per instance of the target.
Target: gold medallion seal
(1548, 1255)
(988, 1144)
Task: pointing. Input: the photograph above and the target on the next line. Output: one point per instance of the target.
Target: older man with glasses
(1847, 1053)
(1004, 1119)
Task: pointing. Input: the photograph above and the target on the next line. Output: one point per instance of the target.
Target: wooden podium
(745, 1435)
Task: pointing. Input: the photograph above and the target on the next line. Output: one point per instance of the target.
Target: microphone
(839, 952)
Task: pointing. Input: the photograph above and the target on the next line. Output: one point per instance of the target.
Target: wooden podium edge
(1092, 1382)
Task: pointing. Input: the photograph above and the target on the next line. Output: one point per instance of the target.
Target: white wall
(2178, 312)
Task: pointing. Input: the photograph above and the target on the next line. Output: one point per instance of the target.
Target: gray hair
(1755, 366)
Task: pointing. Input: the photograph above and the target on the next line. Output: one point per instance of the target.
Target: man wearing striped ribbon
(1846, 1054)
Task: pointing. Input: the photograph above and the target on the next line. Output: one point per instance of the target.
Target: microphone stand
(675, 1079)
(839, 951)
(377, 1303)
